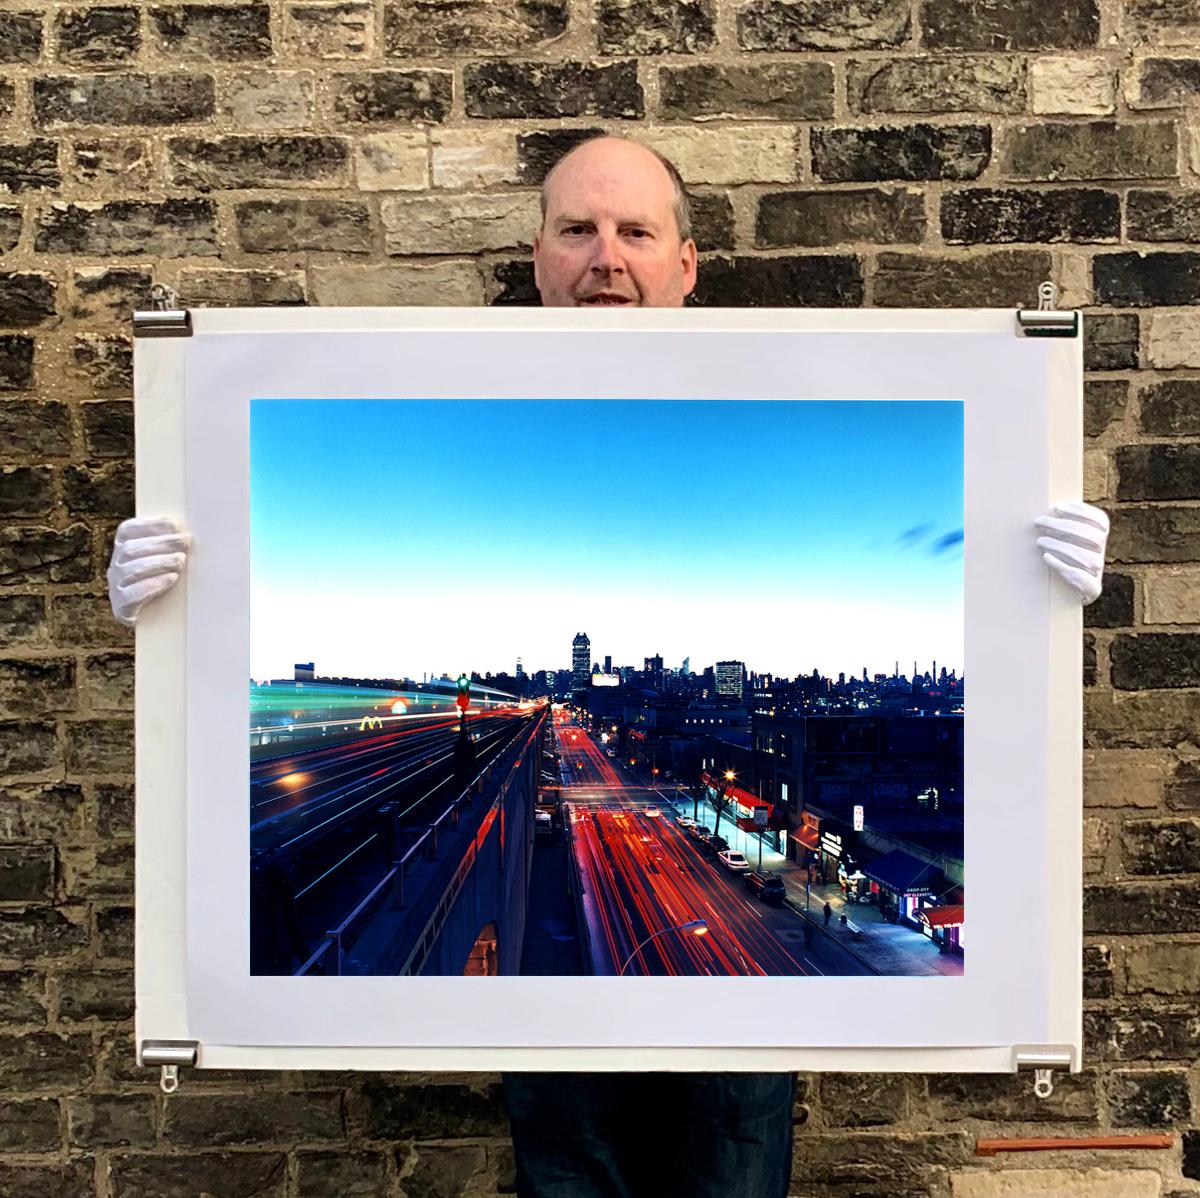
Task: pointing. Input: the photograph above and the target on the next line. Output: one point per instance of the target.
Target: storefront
(944, 925)
(806, 840)
(838, 851)
(906, 887)
(773, 826)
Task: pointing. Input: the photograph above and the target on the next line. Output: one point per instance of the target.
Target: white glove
(1074, 548)
(147, 559)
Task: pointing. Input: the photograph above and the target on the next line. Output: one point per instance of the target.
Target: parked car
(768, 887)
(696, 831)
(685, 821)
(716, 844)
(733, 860)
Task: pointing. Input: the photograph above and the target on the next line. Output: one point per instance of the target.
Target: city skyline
(396, 538)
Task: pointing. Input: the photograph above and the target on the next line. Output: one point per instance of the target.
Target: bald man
(616, 231)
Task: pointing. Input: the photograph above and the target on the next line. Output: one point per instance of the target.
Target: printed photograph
(606, 688)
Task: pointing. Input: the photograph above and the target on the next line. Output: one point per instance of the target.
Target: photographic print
(606, 687)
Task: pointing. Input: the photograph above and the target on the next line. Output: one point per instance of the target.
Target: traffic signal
(464, 692)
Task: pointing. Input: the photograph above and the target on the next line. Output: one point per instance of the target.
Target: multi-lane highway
(641, 876)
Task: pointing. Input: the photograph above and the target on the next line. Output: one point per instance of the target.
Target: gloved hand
(147, 559)
(1074, 548)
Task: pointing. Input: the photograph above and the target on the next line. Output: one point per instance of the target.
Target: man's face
(610, 237)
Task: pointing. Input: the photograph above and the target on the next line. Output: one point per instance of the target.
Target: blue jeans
(646, 1135)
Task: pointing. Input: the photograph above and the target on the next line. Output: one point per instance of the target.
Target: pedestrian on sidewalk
(828, 914)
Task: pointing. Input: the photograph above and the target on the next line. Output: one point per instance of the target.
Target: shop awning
(808, 836)
(903, 874)
(942, 917)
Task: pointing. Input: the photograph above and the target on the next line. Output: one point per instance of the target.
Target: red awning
(942, 917)
(808, 836)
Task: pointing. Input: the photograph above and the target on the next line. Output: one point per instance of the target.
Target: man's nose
(606, 254)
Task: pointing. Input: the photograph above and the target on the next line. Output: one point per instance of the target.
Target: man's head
(615, 229)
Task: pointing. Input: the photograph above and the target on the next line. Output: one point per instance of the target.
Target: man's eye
(638, 233)
(574, 229)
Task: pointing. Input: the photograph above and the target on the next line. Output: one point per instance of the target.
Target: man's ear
(537, 250)
(688, 261)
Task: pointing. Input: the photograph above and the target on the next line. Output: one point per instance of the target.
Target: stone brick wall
(885, 152)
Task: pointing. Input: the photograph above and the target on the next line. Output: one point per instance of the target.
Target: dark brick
(54, 812)
(36, 686)
(99, 491)
(39, 932)
(105, 360)
(1148, 1098)
(1166, 1035)
(218, 287)
(349, 1175)
(215, 33)
(40, 1060)
(99, 746)
(108, 428)
(98, 872)
(1156, 908)
(373, 97)
(1155, 660)
(110, 1121)
(1089, 659)
(1110, 341)
(105, 994)
(29, 166)
(1171, 408)
(215, 1120)
(546, 90)
(712, 220)
(1010, 24)
(911, 152)
(110, 294)
(937, 84)
(118, 162)
(1058, 151)
(819, 281)
(416, 28)
(70, 1180)
(1002, 279)
(538, 152)
(278, 160)
(1147, 280)
(1190, 1164)
(134, 99)
(27, 873)
(655, 26)
(10, 228)
(783, 91)
(22, 623)
(229, 1174)
(1161, 846)
(25, 491)
(22, 996)
(8, 100)
(978, 1096)
(1168, 82)
(86, 621)
(171, 228)
(448, 1168)
(1097, 971)
(1155, 534)
(439, 1110)
(107, 682)
(16, 374)
(26, 298)
(823, 25)
(98, 35)
(114, 927)
(863, 1099)
(1114, 607)
(1104, 402)
(517, 287)
(114, 810)
(1160, 19)
(1158, 471)
(823, 217)
(338, 226)
(875, 1166)
(985, 214)
(27, 748)
(1183, 790)
(34, 554)
(20, 36)
(29, 1126)
(1161, 216)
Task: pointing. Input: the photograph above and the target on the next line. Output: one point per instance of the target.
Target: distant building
(608, 663)
(581, 659)
(729, 678)
(305, 671)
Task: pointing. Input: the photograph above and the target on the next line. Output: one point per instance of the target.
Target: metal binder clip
(163, 319)
(1041, 1062)
(169, 1054)
(1046, 320)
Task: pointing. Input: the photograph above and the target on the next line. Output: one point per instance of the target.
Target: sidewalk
(887, 947)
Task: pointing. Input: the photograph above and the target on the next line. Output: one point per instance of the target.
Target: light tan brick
(270, 99)
(1164, 967)
(1095, 844)
(466, 158)
(1057, 1183)
(1171, 596)
(1123, 777)
(392, 162)
(759, 154)
(449, 284)
(1078, 86)
(459, 224)
(330, 31)
(1096, 474)
(1174, 340)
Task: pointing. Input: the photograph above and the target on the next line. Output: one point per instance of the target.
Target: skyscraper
(729, 675)
(581, 659)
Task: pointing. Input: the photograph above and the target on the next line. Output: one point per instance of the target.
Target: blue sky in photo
(791, 535)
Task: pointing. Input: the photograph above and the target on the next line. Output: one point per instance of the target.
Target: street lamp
(698, 927)
(729, 777)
